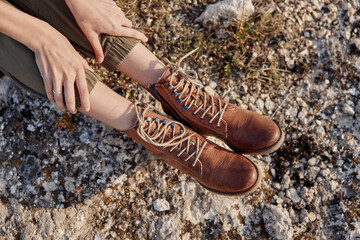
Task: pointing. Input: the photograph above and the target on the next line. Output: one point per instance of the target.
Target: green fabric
(18, 62)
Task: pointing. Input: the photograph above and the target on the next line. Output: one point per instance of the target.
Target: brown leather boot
(215, 168)
(244, 131)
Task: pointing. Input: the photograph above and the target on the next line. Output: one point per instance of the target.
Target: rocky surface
(68, 176)
(224, 12)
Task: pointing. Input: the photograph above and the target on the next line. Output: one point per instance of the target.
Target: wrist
(40, 35)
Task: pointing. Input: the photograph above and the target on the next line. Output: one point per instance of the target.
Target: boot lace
(155, 131)
(189, 87)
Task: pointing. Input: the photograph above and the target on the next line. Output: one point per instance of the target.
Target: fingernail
(101, 59)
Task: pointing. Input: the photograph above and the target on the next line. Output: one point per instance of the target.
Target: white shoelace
(157, 136)
(187, 81)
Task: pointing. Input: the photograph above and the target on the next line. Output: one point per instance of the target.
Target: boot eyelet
(170, 86)
(148, 119)
(179, 100)
(157, 119)
(174, 94)
(164, 121)
(185, 108)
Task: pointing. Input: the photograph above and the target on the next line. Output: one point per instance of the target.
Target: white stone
(312, 161)
(348, 110)
(269, 105)
(223, 12)
(212, 84)
(260, 104)
(332, 8)
(161, 205)
(277, 222)
(312, 216)
(304, 53)
(31, 128)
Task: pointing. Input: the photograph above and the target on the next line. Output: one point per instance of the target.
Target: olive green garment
(18, 62)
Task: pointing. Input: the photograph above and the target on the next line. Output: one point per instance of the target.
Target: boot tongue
(166, 76)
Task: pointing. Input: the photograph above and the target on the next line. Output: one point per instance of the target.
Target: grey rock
(30, 167)
(293, 195)
(161, 205)
(320, 130)
(277, 222)
(5, 85)
(357, 108)
(3, 184)
(223, 12)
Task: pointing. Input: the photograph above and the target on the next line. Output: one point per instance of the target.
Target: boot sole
(241, 193)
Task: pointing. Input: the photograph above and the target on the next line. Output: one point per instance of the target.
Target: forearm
(28, 30)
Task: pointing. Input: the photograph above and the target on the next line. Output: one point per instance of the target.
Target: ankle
(129, 120)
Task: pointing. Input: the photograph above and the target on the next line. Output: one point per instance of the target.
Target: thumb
(93, 38)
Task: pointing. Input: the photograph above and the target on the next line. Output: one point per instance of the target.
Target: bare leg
(142, 66)
(110, 108)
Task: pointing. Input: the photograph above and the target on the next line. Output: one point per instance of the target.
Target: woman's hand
(61, 67)
(102, 16)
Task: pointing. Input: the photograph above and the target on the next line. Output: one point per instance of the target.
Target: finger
(58, 97)
(93, 38)
(43, 69)
(49, 89)
(81, 84)
(130, 32)
(127, 23)
(69, 90)
(57, 83)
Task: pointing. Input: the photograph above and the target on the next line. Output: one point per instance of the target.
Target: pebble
(269, 105)
(293, 195)
(325, 172)
(243, 88)
(212, 84)
(161, 205)
(339, 163)
(260, 104)
(348, 110)
(312, 216)
(286, 181)
(332, 8)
